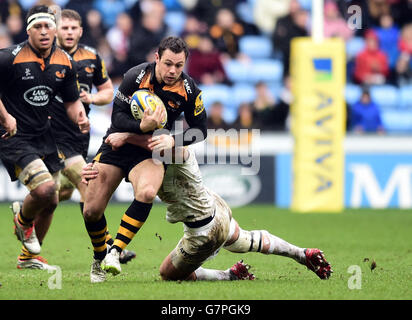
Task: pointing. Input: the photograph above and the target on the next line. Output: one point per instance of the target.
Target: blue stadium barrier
(405, 97)
(386, 96)
(256, 47)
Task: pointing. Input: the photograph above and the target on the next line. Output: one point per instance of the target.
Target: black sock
(97, 234)
(132, 221)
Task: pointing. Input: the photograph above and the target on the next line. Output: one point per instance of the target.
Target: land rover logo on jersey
(38, 96)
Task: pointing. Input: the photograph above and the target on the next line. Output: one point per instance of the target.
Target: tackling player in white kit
(208, 224)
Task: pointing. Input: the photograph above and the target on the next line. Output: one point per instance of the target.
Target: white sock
(281, 247)
(264, 242)
(211, 274)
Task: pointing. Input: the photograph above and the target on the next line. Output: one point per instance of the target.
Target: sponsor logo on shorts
(38, 96)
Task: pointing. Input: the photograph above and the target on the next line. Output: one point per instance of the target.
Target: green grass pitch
(353, 238)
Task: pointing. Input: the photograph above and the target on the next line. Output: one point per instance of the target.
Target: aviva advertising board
(372, 180)
(318, 118)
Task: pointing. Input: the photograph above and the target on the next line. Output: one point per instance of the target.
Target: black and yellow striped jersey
(91, 70)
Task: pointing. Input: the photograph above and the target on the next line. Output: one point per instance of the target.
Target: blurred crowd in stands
(126, 33)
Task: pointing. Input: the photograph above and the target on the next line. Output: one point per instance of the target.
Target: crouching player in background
(208, 223)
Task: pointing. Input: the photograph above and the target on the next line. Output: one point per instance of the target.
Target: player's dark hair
(174, 44)
(72, 15)
(38, 9)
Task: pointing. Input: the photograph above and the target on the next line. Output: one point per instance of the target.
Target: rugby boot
(26, 234)
(97, 274)
(240, 271)
(315, 261)
(36, 262)
(111, 263)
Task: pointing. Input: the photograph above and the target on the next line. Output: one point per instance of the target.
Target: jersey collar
(37, 53)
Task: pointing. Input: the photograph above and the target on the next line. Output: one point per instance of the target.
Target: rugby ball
(144, 99)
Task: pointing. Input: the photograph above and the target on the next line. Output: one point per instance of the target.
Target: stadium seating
(352, 93)
(243, 92)
(243, 10)
(267, 70)
(397, 121)
(386, 96)
(175, 20)
(214, 93)
(405, 97)
(236, 71)
(256, 47)
(354, 46)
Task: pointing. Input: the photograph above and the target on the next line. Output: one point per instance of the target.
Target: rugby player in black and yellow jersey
(72, 144)
(180, 94)
(31, 74)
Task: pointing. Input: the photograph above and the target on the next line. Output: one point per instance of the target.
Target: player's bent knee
(147, 194)
(36, 175)
(91, 214)
(45, 192)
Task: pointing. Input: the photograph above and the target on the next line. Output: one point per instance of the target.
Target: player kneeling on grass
(208, 224)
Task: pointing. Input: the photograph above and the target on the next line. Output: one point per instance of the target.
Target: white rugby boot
(37, 262)
(26, 234)
(111, 262)
(97, 274)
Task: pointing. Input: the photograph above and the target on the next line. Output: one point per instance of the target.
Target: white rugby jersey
(187, 199)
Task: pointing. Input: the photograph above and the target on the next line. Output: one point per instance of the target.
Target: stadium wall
(377, 174)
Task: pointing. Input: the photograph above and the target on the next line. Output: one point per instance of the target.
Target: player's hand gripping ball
(144, 99)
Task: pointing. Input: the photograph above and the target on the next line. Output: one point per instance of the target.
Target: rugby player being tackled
(208, 224)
